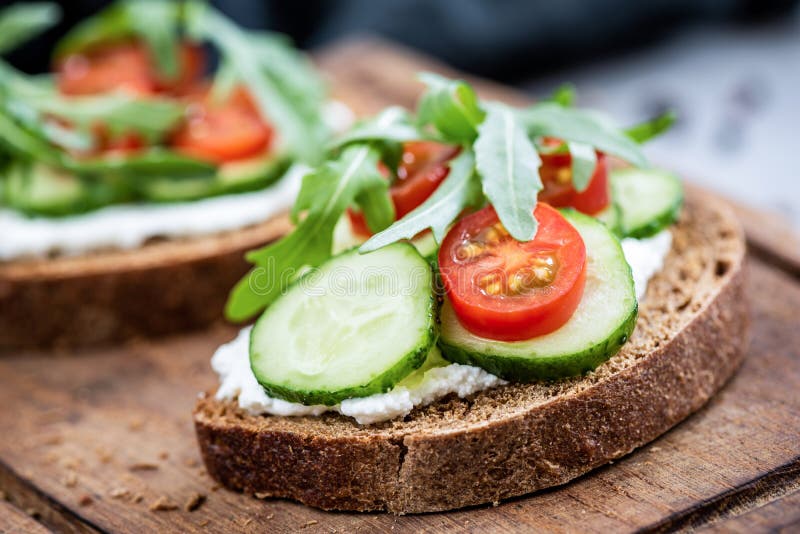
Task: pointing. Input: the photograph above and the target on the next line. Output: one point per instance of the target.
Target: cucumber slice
(40, 190)
(602, 323)
(426, 245)
(251, 174)
(234, 177)
(649, 200)
(611, 217)
(354, 327)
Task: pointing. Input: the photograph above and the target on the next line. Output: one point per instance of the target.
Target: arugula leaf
(291, 70)
(451, 107)
(23, 140)
(152, 118)
(647, 130)
(326, 193)
(508, 164)
(376, 206)
(584, 160)
(277, 99)
(392, 124)
(461, 189)
(157, 22)
(583, 127)
(20, 22)
(564, 95)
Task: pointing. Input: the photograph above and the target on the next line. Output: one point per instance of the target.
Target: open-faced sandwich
(134, 177)
(516, 311)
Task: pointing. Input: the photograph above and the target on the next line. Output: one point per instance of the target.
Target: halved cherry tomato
(126, 65)
(422, 168)
(508, 290)
(119, 66)
(556, 174)
(221, 132)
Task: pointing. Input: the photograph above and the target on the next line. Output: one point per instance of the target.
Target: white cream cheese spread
(127, 226)
(433, 381)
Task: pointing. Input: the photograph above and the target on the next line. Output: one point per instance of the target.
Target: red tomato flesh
(422, 168)
(220, 132)
(508, 290)
(556, 174)
(126, 66)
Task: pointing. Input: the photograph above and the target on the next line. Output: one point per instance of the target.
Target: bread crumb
(85, 500)
(119, 493)
(70, 480)
(246, 521)
(143, 466)
(655, 449)
(270, 516)
(203, 523)
(136, 424)
(70, 463)
(104, 455)
(194, 502)
(163, 504)
(53, 440)
(310, 523)
(260, 495)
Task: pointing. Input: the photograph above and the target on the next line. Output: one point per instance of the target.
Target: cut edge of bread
(512, 440)
(109, 296)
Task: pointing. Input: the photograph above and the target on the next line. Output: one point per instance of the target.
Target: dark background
(510, 40)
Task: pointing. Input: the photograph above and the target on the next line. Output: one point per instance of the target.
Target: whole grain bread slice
(690, 337)
(165, 286)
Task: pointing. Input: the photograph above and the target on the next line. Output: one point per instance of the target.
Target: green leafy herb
(653, 128)
(581, 126)
(460, 190)
(278, 98)
(584, 160)
(508, 164)
(450, 107)
(393, 124)
(324, 196)
(20, 22)
(152, 118)
(156, 22)
(564, 95)
(498, 161)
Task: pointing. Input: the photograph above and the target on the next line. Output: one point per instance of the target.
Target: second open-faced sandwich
(476, 303)
(133, 177)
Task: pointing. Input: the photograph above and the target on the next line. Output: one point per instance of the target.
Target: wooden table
(102, 440)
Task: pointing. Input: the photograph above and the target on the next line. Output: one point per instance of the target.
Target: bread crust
(110, 296)
(516, 439)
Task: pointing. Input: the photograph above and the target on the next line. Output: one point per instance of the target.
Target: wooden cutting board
(102, 440)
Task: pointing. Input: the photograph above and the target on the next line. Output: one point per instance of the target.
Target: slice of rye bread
(165, 286)
(511, 440)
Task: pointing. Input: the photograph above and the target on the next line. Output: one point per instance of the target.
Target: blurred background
(730, 68)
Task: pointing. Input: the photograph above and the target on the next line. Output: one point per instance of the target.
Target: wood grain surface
(102, 440)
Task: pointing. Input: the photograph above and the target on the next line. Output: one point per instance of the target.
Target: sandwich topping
(130, 124)
(465, 274)
(435, 379)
